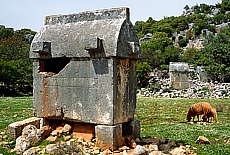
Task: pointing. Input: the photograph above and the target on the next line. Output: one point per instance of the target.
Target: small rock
(66, 128)
(121, 149)
(5, 137)
(178, 151)
(44, 132)
(140, 150)
(52, 138)
(30, 131)
(57, 133)
(132, 144)
(68, 137)
(31, 151)
(80, 140)
(22, 144)
(156, 153)
(51, 147)
(202, 140)
(153, 147)
(164, 147)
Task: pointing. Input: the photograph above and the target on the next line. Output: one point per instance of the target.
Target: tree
(189, 55)
(143, 70)
(215, 57)
(15, 65)
(152, 51)
(171, 54)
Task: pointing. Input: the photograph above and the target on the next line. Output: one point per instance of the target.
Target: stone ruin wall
(198, 81)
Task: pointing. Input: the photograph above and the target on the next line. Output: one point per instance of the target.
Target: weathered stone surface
(31, 151)
(84, 70)
(178, 72)
(153, 147)
(140, 150)
(109, 136)
(67, 128)
(30, 131)
(22, 144)
(93, 82)
(44, 132)
(15, 129)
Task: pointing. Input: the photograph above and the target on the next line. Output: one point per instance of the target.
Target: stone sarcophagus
(179, 75)
(84, 72)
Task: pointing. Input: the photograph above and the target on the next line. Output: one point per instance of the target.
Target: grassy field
(166, 118)
(161, 118)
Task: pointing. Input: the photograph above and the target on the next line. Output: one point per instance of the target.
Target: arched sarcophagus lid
(108, 33)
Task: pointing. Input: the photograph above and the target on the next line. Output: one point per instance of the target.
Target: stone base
(131, 128)
(109, 137)
(15, 129)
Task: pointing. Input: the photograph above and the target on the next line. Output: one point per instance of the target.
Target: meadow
(159, 117)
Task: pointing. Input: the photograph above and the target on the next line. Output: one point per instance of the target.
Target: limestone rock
(43, 132)
(66, 128)
(51, 148)
(140, 150)
(202, 140)
(30, 131)
(22, 144)
(153, 147)
(52, 138)
(178, 151)
(31, 151)
(156, 153)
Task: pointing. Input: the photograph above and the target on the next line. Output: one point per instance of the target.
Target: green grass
(12, 109)
(161, 118)
(166, 118)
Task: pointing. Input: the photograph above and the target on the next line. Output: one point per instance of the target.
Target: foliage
(143, 70)
(160, 49)
(189, 55)
(215, 57)
(15, 65)
(182, 42)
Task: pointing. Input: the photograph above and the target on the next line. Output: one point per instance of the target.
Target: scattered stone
(178, 151)
(44, 132)
(30, 131)
(153, 147)
(66, 128)
(164, 147)
(31, 151)
(156, 153)
(132, 144)
(51, 148)
(68, 137)
(22, 144)
(57, 133)
(80, 140)
(202, 140)
(121, 149)
(140, 150)
(52, 138)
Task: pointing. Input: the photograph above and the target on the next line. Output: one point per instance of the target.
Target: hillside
(200, 37)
